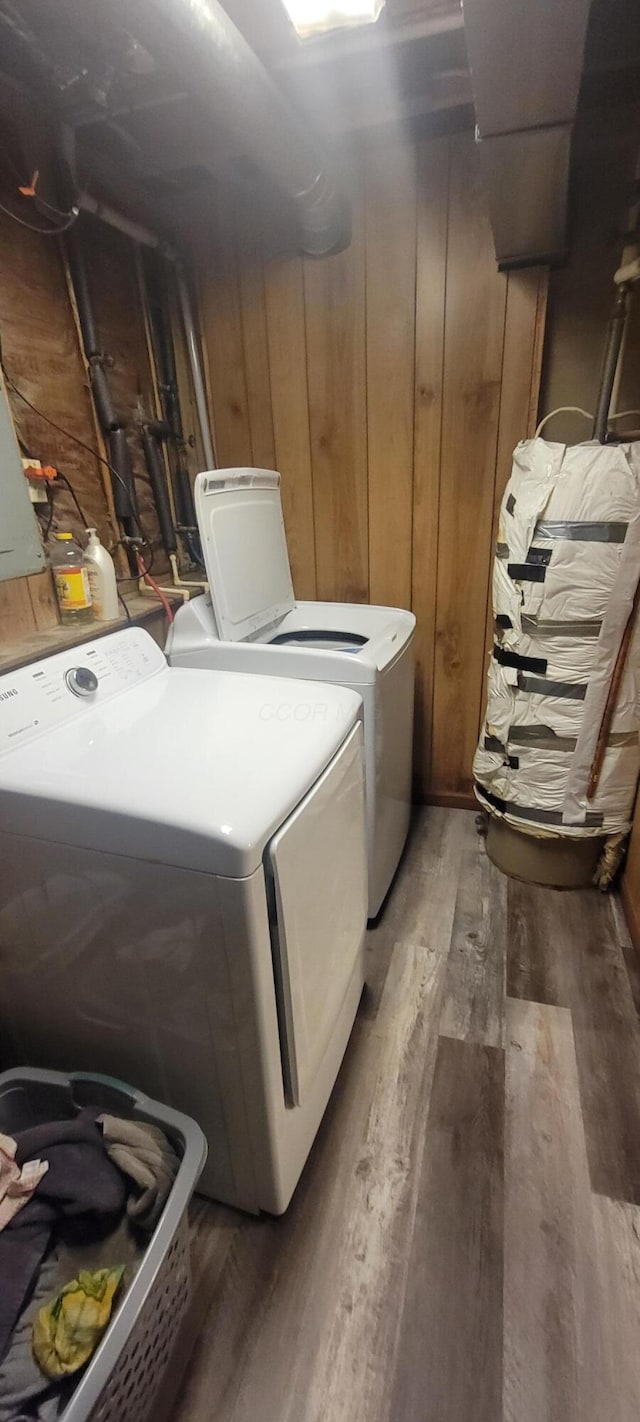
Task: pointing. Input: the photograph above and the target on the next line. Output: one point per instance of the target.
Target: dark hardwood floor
(464, 1245)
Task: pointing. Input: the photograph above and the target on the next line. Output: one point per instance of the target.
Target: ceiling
(147, 141)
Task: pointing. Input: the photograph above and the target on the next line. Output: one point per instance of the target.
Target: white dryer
(183, 893)
(250, 622)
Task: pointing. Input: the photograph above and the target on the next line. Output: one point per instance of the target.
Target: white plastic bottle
(102, 579)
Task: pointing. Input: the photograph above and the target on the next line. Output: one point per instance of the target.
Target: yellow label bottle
(71, 579)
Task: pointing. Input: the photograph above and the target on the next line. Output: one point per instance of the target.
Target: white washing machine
(251, 622)
(183, 893)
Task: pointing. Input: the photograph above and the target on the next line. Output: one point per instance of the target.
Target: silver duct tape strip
(581, 532)
(623, 738)
(502, 551)
(539, 627)
(543, 738)
(534, 738)
(541, 686)
(592, 820)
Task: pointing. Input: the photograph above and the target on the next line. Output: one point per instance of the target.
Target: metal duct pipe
(196, 368)
(197, 40)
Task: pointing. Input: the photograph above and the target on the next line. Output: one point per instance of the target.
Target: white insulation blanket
(566, 569)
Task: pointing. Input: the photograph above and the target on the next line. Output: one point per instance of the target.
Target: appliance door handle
(284, 1000)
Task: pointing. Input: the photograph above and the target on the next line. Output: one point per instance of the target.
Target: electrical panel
(20, 545)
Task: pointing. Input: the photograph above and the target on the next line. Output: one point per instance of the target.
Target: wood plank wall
(389, 385)
(41, 353)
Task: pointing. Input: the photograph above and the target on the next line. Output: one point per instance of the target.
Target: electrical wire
(83, 445)
(576, 410)
(44, 231)
(126, 609)
(143, 569)
(63, 479)
(50, 511)
(562, 410)
(55, 211)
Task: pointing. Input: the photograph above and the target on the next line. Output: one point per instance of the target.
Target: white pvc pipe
(196, 369)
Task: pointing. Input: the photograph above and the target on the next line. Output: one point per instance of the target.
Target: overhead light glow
(314, 17)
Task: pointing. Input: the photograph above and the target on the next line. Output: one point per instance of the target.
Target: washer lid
(245, 549)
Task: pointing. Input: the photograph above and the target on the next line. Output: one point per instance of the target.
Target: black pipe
(615, 332)
(184, 493)
(80, 282)
(164, 357)
(165, 362)
(121, 470)
(155, 468)
(102, 395)
(124, 494)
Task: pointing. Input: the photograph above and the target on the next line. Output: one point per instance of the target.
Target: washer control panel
(40, 697)
(82, 681)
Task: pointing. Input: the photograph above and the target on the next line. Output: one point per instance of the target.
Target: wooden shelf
(144, 612)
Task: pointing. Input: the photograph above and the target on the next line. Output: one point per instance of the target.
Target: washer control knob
(81, 681)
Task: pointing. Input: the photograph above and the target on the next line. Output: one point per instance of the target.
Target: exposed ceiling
(143, 137)
(412, 63)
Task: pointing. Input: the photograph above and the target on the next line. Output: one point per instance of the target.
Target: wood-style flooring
(464, 1245)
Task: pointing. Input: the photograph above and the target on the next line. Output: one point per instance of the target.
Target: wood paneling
(222, 326)
(391, 317)
(255, 339)
(336, 382)
(474, 334)
(431, 266)
(401, 373)
(284, 287)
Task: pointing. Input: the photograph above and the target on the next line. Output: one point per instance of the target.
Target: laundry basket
(122, 1378)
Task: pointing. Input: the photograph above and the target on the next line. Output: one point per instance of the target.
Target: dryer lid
(245, 549)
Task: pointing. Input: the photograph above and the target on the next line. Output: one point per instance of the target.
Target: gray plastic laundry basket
(123, 1376)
